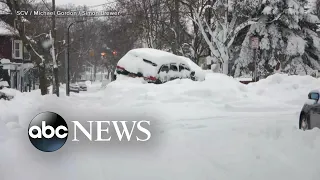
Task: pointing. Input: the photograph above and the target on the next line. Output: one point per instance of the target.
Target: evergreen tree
(288, 37)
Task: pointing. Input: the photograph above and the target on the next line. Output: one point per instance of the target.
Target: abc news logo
(48, 131)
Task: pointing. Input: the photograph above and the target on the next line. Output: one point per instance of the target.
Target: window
(173, 67)
(17, 49)
(181, 67)
(164, 68)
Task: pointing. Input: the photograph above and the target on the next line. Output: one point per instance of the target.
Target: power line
(102, 4)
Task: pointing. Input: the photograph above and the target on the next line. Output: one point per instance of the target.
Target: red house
(15, 60)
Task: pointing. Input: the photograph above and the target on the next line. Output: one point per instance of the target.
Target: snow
(133, 61)
(5, 61)
(6, 29)
(10, 92)
(194, 67)
(267, 10)
(215, 129)
(47, 43)
(296, 45)
(243, 79)
(4, 83)
(4, 9)
(312, 18)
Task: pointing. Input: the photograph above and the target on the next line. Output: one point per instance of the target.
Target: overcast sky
(81, 2)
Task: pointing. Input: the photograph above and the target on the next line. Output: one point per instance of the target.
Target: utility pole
(55, 68)
(255, 46)
(66, 55)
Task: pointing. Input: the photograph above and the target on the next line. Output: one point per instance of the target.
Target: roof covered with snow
(4, 9)
(6, 29)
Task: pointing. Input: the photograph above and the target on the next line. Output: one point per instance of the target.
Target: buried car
(74, 88)
(310, 114)
(157, 66)
(82, 85)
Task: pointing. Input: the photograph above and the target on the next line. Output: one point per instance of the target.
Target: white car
(82, 85)
(74, 88)
(157, 66)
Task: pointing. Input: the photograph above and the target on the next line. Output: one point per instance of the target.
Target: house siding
(5, 47)
(15, 77)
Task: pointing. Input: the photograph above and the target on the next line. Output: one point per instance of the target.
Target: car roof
(156, 56)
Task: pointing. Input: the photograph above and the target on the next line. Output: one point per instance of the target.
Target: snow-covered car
(82, 85)
(157, 66)
(74, 88)
(310, 113)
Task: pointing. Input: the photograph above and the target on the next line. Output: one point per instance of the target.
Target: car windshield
(173, 67)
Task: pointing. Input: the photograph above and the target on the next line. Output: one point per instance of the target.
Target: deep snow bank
(275, 90)
(216, 129)
(289, 89)
(216, 95)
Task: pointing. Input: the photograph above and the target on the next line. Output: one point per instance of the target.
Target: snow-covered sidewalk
(216, 129)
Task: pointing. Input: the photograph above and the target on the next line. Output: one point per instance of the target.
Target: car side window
(173, 67)
(164, 68)
(183, 67)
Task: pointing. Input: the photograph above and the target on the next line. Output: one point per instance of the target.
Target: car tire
(139, 74)
(158, 81)
(304, 122)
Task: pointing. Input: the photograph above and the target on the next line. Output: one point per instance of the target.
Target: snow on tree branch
(53, 55)
(197, 20)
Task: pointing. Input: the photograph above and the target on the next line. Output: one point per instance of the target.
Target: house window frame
(14, 49)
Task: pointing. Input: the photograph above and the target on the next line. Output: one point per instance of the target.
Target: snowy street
(216, 129)
(160, 90)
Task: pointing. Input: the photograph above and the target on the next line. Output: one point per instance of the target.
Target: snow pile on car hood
(200, 73)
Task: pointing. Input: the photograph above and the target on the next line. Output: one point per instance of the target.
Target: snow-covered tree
(195, 47)
(288, 40)
(229, 18)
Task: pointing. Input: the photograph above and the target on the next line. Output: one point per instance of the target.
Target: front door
(163, 73)
(174, 72)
